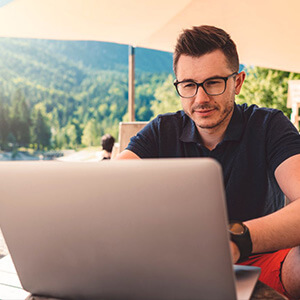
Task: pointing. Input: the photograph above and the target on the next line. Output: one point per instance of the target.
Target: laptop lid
(138, 229)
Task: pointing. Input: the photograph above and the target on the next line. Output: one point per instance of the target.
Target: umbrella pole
(131, 67)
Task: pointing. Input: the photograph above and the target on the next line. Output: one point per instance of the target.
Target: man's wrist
(235, 252)
(240, 236)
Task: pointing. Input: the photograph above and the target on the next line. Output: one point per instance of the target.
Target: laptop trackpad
(246, 278)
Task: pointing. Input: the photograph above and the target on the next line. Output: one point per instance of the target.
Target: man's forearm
(276, 231)
(126, 154)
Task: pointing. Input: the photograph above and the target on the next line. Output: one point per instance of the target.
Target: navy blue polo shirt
(256, 142)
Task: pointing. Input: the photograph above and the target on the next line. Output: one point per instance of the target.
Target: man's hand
(235, 252)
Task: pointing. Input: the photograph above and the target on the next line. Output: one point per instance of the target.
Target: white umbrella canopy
(266, 32)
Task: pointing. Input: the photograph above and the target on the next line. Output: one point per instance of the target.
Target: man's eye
(189, 85)
(213, 82)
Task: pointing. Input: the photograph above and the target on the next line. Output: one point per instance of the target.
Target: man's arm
(280, 229)
(126, 154)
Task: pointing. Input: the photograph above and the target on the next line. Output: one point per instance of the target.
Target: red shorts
(270, 264)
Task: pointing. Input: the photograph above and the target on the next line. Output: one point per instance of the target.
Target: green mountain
(70, 83)
(64, 65)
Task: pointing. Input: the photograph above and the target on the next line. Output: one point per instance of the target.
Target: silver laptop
(138, 229)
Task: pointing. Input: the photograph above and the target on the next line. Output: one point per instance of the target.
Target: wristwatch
(240, 235)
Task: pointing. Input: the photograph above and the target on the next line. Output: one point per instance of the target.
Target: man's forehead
(202, 67)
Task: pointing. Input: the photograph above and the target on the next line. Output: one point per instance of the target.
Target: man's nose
(201, 96)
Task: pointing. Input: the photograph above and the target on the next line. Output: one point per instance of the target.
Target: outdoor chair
(126, 131)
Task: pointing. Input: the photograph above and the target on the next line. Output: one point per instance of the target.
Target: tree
(143, 113)
(20, 119)
(90, 135)
(41, 132)
(267, 88)
(60, 139)
(144, 95)
(55, 127)
(4, 125)
(11, 141)
(72, 135)
(166, 98)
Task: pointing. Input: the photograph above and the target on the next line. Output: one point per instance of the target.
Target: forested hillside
(57, 94)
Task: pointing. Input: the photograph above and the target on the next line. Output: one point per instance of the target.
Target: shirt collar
(189, 132)
(236, 126)
(233, 132)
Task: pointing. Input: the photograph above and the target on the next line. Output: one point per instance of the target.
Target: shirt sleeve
(145, 143)
(283, 140)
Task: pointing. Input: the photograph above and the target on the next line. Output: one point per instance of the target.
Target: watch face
(236, 228)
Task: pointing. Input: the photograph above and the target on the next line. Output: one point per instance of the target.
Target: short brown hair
(107, 142)
(204, 39)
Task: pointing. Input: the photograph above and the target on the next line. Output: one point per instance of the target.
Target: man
(258, 148)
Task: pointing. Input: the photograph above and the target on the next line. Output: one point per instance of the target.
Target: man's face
(209, 112)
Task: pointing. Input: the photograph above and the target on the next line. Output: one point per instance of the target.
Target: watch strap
(243, 242)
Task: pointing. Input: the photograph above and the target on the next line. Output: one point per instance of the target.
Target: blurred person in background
(107, 143)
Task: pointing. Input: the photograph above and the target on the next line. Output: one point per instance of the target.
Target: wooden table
(10, 286)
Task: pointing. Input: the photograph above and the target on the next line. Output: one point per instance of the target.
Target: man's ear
(240, 78)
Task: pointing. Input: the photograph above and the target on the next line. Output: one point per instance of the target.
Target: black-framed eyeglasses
(213, 86)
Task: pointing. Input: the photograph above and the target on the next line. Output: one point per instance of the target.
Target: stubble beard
(219, 122)
(223, 117)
